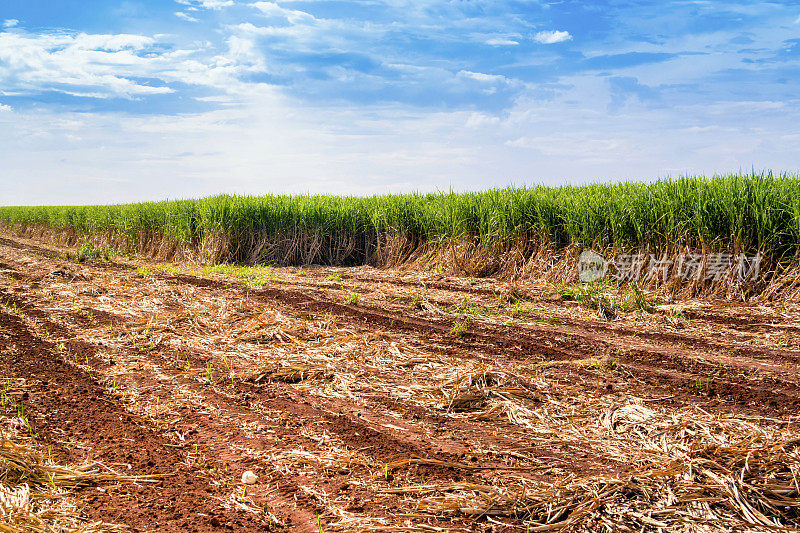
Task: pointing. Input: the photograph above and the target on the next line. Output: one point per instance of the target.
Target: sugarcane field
(400, 266)
(184, 396)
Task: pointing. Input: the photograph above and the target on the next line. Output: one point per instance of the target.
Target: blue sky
(140, 100)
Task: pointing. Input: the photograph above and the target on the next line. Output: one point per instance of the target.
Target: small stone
(249, 478)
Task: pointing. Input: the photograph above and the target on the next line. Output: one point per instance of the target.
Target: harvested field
(369, 399)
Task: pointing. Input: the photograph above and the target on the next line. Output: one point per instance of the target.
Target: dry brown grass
(692, 470)
(35, 492)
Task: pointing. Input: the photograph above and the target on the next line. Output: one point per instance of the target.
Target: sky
(138, 100)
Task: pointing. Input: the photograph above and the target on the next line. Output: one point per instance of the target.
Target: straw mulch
(692, 471)
(34, 494)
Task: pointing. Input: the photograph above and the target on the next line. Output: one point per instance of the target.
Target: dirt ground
(379, 400)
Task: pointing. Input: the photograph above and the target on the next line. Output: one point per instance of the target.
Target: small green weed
(591, 295)
(143, 272)
(467, 307)
(231, 370)
(459, 329)
(638, 300)
(519, 309)
(417, 301)
(351, 299)
(7, 400)
(168, 268)
(331, 320)
(251, 276)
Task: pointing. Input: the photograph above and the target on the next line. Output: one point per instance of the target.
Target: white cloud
(184, 16)
(552, 36)
(500, 41)
(304, 32)
(4, 107)
(206, 4)
(294, 16)
(216, 99)
(105, 66)
(479, 76)
(113, 43)
(216, 4)
(95, 65)
(10, 23)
